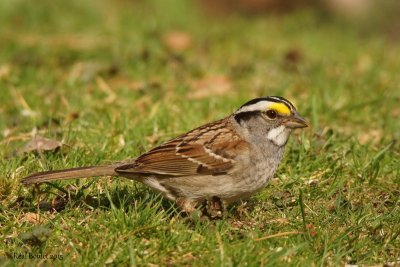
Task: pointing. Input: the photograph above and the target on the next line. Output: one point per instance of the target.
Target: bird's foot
(215, 208)
(189, 208)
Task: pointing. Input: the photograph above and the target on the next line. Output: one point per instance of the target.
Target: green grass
(338, 187)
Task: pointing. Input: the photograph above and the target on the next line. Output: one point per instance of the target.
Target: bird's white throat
(279, 135)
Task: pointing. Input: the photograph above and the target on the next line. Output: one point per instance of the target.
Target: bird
(226, 160)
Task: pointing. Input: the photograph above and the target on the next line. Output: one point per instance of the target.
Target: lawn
(111, 79)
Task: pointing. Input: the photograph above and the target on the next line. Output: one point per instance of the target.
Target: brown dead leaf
(31, 217)
(41, 144)
(210, 86)
(372, 136)
(87, 71)
(349, 8)
(5, 71)
(177, 41)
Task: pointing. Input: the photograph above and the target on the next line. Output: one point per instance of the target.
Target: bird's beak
(295, 121)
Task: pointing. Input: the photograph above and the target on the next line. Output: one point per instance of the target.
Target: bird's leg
(216, 207)
(188, 206)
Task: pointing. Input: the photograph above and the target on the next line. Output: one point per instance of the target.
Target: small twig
(22, 137)
(278, 235)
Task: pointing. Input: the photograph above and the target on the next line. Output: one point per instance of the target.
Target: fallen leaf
(40, 144)
(87, 71)
(210, 86)
(349, 8)
(31, 217)
(373, 136)
(177, 41)
(5, 71)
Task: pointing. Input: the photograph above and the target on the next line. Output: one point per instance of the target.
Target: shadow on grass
(55, 198)
(51, 197)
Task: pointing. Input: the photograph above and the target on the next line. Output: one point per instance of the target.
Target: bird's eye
(271, 114)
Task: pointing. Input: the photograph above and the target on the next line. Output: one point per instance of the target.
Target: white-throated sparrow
(228, 159)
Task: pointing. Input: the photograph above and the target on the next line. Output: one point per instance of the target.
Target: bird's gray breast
(264, 163)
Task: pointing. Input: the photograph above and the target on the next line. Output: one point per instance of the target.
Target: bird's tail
(75, 173)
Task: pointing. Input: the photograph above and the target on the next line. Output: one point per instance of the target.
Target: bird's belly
(203, 187)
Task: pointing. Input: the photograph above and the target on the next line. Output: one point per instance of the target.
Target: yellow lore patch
(280, 108)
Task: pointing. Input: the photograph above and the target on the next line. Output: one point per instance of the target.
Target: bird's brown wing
(209, 149)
